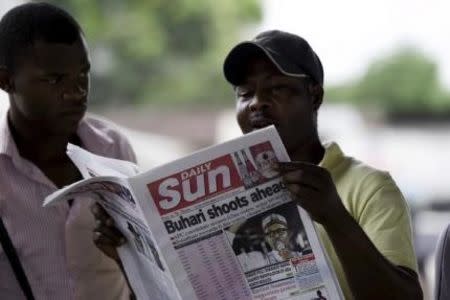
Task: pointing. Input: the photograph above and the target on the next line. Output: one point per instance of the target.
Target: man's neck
(311, 152)
(36, 146)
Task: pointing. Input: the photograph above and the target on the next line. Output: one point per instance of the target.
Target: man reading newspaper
(361, 216)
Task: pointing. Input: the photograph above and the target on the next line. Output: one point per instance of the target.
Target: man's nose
(259, 101)
(76, 92)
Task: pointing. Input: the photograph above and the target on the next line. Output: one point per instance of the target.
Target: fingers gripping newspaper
(218, 224)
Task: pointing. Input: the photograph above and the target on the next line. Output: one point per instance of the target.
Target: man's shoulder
(359, 172)
(104, 126)
(347, 170)
(103, 137)
(357, 183)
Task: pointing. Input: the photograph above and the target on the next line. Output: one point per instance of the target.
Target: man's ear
(316, 92)
(5, 80)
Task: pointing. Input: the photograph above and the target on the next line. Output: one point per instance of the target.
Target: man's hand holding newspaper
(314, 190)
(106, 235)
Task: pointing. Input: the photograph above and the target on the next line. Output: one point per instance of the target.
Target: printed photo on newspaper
(217, 224)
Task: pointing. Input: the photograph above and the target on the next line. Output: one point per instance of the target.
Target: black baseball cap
(290, 53)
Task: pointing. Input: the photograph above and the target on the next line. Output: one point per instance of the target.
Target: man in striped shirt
(44, 67)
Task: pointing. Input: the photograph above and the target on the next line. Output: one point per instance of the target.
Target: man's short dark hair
(25, 24)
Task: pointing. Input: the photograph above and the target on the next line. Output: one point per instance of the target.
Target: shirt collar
(9, 149)
(87, 132)
(7, 145)
(333, 155)
(89, 135)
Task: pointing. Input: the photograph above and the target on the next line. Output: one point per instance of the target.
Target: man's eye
(84, 74)
(52, 80)
(277, 89)
(245, 94)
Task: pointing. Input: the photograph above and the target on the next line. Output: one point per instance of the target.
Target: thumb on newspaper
(106, 236)
(314, 190)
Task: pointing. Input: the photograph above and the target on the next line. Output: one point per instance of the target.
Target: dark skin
(48, 91)
(291, 104)
(106, 236)
(269, 97)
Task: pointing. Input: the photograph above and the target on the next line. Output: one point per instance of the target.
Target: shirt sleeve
(387, 222)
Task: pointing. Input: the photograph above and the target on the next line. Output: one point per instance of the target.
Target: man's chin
(67, 128)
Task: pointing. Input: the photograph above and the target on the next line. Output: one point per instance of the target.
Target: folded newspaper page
(218, 224)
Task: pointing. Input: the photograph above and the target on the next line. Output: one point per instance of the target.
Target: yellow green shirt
(375, 202)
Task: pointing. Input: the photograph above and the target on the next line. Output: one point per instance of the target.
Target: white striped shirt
(54, 244)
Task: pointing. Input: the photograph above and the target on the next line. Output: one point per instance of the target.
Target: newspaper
(218, 224)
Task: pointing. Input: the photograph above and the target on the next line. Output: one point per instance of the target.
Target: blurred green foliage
(171, 52)
(407, 80)
(160, 51)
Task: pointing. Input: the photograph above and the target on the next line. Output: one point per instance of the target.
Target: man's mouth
(261, 122)
(78, 111)
(73, 116)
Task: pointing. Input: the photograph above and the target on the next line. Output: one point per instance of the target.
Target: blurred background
(157, 72)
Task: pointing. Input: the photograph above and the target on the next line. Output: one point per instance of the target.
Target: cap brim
(236, 62)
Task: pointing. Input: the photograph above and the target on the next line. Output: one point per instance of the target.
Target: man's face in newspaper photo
(268, 97)
(277, 235)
